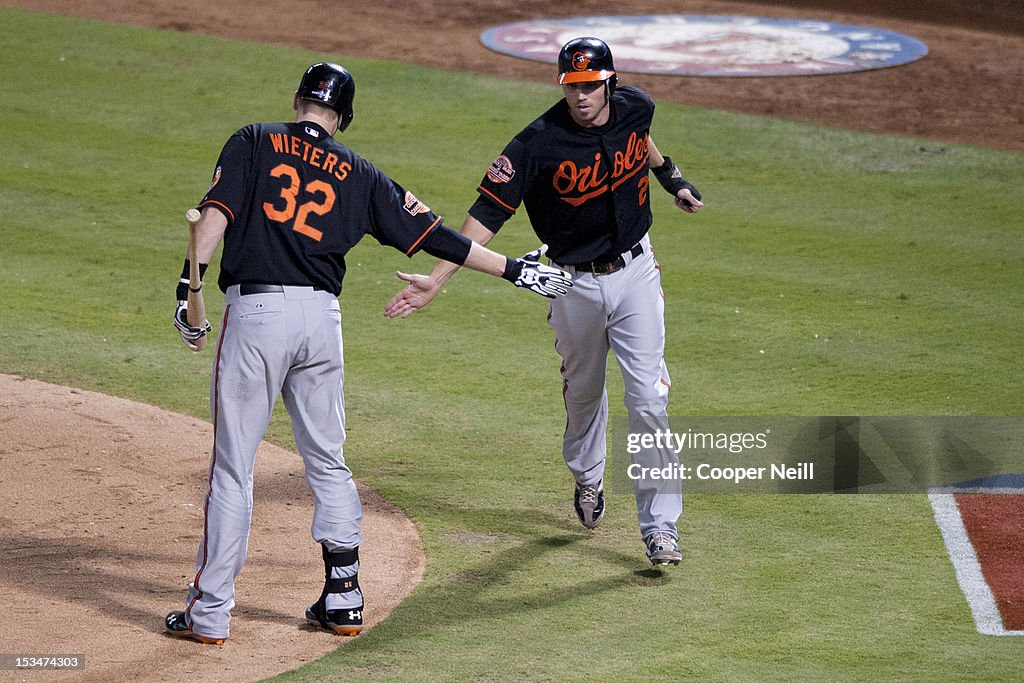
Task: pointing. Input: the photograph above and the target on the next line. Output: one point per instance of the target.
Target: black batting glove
(527, 272)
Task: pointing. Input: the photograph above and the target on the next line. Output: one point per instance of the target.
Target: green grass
(830, 273)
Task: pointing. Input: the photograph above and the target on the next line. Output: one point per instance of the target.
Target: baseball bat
(196, 305)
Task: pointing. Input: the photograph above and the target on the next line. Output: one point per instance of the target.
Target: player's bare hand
(686, 201)
(420, 291)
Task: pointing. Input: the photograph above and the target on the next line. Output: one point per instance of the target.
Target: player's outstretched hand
(688, 199)
(527, 272)
(189, 334)
(420, 291)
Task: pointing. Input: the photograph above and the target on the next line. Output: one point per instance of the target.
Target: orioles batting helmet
(584, 60)
(332, 85)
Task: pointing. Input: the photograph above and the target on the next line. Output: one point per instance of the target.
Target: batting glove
(188, 333)
(527, 272)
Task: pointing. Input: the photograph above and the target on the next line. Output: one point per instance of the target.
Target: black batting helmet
(330, 84)
(583, 60)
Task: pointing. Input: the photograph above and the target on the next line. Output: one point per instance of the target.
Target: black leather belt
(250, 288)
(608, 267)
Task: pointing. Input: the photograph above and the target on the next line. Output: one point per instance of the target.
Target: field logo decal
(702, 45)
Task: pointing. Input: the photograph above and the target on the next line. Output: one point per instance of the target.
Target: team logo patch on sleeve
(501, 170)
(216, 178)
(413, 205)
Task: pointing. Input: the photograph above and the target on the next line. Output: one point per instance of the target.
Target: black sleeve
(490, 215)
(228, 186)
(446, 244)
(397, 218)
(503, 186)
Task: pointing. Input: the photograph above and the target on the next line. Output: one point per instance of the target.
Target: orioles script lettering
(576, 185)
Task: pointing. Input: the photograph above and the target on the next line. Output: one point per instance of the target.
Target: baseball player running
(289, 201)
(581, 171)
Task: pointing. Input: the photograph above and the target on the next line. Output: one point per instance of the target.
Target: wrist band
(181, 291)
(513, 268)
(670, 178)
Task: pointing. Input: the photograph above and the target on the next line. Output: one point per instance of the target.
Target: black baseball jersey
(297, 200)
(585, 189)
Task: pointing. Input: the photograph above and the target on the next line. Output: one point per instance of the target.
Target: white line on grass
(968, 570)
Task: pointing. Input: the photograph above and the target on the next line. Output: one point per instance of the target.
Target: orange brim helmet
(585, 60)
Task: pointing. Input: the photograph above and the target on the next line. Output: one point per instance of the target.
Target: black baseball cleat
(346, 622)
(176, 624)
(662, 549)
(589, 503)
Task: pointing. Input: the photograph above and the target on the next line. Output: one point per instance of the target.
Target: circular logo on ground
(698, 45)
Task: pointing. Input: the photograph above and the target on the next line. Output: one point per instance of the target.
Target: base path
(99, 526)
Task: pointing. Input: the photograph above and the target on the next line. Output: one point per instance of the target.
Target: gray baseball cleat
(662, 548)
(589, 503)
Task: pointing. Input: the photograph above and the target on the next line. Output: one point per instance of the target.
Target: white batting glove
(527, 272)
(188, 333)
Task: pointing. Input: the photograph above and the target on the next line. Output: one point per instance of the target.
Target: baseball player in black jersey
(289, 201)
(581, 171)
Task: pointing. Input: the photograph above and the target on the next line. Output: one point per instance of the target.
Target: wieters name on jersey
(311, 154)
(318, 199)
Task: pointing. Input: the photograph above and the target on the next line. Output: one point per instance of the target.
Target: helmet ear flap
(345, 116)
(610, 85)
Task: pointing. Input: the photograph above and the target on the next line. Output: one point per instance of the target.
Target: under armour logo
(355, 614)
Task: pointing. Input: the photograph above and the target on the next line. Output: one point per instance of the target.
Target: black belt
(250, 288)
(609, 267)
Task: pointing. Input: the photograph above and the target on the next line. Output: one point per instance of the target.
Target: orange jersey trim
(495, 198)
(212, 202)
(425, 233)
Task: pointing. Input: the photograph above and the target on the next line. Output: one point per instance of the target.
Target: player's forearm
(669, 177)
(209, 231)
(483, 260)
(655, 158)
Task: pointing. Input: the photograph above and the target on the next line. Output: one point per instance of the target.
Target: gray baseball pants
(288, 344)
(625, 312)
